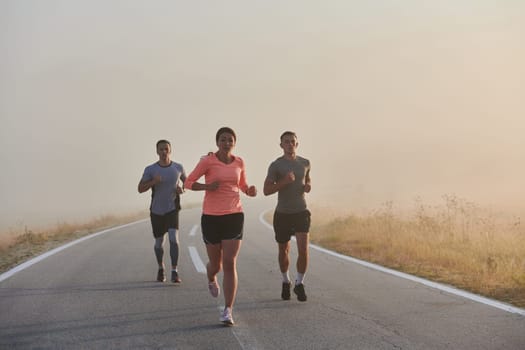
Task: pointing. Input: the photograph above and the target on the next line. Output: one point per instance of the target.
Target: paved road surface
(101, 294)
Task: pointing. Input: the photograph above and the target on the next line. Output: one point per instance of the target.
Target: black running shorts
(286, 225)
(161, 223)
(216, 228)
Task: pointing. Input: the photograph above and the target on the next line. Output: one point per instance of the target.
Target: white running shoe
(214, 289)
(226, 316)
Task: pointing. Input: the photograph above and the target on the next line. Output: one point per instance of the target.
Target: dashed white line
(196, 259)
(194, 229)
(242, 334)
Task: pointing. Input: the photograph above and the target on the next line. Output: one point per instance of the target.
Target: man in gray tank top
(289, 175)
(165, 179)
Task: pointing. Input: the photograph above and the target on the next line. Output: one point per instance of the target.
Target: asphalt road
(101, 294)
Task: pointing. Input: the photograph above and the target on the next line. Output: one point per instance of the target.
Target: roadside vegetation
(23, 243)
(456, 243)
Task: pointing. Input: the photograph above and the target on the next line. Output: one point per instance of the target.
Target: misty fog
(390, 100)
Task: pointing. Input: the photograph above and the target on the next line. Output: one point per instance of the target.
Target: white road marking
(242, 334)
(261, 219)
(197, 261)
(194, 230)
(445, 288)
(39, 258)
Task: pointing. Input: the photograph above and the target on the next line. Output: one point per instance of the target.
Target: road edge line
(443, 287)
(26, 264)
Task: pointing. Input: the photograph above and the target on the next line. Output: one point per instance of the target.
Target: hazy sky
(390, 99)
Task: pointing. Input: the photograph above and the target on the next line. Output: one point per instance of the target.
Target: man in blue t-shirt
(165, 178)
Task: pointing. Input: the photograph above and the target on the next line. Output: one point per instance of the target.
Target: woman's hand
(251, 191)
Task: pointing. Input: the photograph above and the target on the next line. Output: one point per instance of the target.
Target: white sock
(286, 277)
(299, 279)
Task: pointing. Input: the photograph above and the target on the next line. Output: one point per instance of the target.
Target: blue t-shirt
(164, 197)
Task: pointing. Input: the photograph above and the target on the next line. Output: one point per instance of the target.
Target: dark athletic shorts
(216, 228)
(161, 223)
(286, 225)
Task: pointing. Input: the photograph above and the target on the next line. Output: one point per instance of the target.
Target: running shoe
(175, 277)
(160, 276)
(214, 289)
(285, 291)
(299, 291)
(226, 317)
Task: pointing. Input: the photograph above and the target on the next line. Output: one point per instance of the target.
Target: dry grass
(456, 243)
(23, 243)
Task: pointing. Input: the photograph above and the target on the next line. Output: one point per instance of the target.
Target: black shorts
(286, 225)
(216, 228)
(161, 223)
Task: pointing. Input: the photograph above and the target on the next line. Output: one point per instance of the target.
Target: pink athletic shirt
(232, 179)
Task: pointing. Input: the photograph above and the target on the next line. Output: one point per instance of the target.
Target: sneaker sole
(215, 292)
(285, 295)
(299, 297)
(163, 278)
